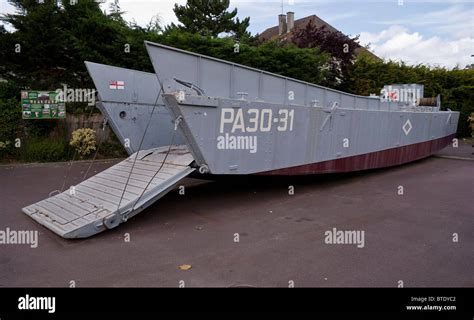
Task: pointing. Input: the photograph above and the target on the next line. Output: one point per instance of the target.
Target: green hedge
(10, 119)
(45, 150)
(456, 86)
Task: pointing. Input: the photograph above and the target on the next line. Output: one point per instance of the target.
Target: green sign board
(42, 105)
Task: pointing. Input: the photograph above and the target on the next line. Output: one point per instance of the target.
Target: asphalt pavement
(254, 232)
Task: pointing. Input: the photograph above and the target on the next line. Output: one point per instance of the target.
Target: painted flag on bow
(117, 85)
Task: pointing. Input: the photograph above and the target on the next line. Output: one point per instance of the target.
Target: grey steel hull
(129, 108)
(247, 121)
(320, 141)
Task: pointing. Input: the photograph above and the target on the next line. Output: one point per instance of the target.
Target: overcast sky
(436, 32)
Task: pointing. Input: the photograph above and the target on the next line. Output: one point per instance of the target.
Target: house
(287, 25)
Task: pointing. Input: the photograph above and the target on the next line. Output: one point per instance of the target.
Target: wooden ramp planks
(112, 196)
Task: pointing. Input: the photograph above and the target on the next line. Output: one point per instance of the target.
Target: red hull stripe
(379, 159)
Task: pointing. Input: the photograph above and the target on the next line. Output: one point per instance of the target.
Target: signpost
(42, 105)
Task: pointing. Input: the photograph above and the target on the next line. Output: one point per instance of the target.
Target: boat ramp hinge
(126, 215)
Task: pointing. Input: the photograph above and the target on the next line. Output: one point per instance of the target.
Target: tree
(115, 12)
(288, 60)
(469, 66)
(45, 47)
(31, 54)
(210, 18)
(50, 41)
(338, 45)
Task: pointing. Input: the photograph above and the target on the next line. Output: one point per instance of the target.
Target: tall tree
(210, 17)
(31, 53)
(115, 11)
(338, 45)
(50, 41)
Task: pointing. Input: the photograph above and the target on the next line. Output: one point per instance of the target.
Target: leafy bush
(112, 150)
(9, 90)
(83, 140)
(44, 150)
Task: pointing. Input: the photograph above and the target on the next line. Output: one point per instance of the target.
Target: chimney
(290, 20)
(281, 24)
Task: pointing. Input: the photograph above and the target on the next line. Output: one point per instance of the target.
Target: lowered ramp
(114, 195)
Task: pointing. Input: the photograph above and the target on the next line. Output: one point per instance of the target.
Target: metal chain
(161, 166)
(138, 151)
(73, 158)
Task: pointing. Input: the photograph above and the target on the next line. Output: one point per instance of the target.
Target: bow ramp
(114, 195)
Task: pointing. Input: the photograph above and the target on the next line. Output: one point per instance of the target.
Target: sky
(433, 32)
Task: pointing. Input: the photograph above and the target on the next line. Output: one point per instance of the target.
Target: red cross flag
(116, 85)
(393, 96)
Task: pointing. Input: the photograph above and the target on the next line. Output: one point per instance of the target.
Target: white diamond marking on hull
(407, 127)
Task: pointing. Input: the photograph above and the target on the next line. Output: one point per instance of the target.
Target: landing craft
(228, 119)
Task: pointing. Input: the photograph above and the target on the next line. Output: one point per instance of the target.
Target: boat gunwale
(414, 110)
(116, 67)
(249, 68)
